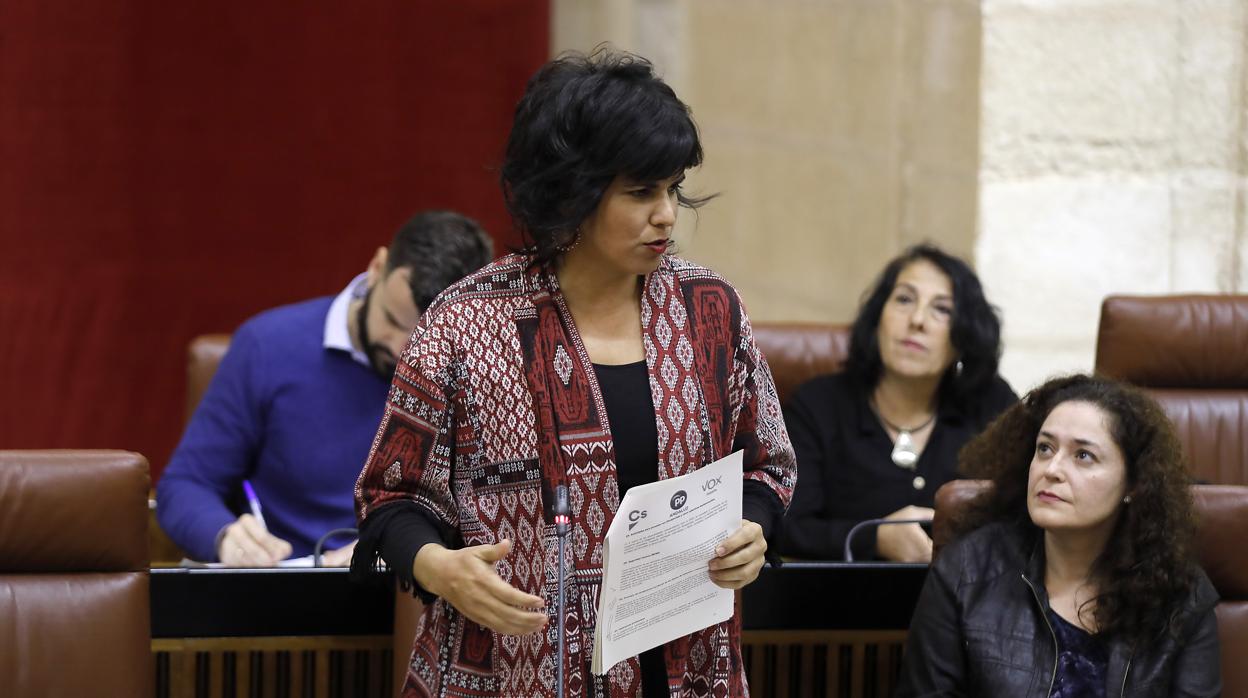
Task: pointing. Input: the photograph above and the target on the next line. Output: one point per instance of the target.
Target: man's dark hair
(440, 247)
(975, 331)
(583, 121)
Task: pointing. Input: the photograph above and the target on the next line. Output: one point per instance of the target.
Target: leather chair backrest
(1191, 354)
(951, 500)
(1223, 511)
(203, 356)
(75, 614)
(797, 352)
(1223, 515)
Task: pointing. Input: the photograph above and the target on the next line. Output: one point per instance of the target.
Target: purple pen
(254, 502)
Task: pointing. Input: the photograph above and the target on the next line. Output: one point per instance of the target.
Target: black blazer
(844, 470)
(980, 629)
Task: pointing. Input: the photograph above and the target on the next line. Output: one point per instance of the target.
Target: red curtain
(169, 169)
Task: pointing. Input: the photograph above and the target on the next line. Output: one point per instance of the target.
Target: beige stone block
(821, 71)
(1078, 87)
(1241, 240)
(940, 205)
(1029, 361)
(1050, 250)
(661, 34)
(799, 232)
(1241, 276)
(1214, 34)
(1243, 120)
(1203, 240)
(580, 25)
(940, 95)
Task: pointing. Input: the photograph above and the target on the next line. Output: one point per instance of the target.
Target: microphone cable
(320, 543)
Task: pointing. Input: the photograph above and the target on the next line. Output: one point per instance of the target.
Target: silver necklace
(904, 453)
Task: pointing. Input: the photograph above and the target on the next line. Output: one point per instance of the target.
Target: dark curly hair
(975, 332)
(583, 121)
(1147, 566)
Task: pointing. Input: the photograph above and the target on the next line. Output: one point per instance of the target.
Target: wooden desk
(811, 629)
(270, 632)
(201, 602)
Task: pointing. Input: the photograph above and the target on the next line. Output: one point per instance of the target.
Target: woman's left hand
(739, 557)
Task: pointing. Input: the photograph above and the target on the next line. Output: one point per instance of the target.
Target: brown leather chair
(1223, 512)
(75, 615)
(1191, 354)
(203, 356)
(797, 352)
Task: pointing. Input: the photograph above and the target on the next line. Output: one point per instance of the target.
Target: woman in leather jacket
(1074, 574)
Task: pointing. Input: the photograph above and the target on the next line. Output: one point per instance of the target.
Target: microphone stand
(869, 523)
(563, 523)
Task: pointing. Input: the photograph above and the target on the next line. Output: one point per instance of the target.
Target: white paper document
(305, 561)
(655, 584)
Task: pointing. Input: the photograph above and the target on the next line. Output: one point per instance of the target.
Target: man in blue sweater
(296, 401)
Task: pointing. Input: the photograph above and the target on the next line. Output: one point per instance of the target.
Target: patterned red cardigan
(495, 402)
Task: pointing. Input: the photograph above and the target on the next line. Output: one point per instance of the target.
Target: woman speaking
(594, 360)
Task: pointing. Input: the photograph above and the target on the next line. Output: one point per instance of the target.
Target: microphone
(563, 524)
(871, 523)
(563, 512)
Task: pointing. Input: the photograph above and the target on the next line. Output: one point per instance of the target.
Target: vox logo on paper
(711, 483)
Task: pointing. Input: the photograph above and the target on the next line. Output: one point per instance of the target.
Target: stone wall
(1113, 151)
(837, 133)
(1071, 148)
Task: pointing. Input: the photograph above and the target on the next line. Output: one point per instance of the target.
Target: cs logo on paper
(634, 517)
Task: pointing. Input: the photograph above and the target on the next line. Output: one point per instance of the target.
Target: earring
(567, 246)
(957, 369)
(1126, 499)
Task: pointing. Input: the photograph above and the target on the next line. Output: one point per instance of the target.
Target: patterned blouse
(495, 402)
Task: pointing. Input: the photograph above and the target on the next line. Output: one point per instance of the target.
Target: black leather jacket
(981, 629)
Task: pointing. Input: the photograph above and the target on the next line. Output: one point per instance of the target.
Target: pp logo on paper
(679, 499)
(634, 517)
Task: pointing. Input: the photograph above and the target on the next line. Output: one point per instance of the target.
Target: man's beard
(379, 356)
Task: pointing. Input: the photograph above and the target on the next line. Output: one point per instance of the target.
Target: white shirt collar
(337, 332)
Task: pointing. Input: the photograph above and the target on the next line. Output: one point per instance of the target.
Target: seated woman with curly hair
(1073, 574)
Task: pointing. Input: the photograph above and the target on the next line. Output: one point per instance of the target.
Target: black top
(845, 472)
(1081, 661)
(630, 410)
